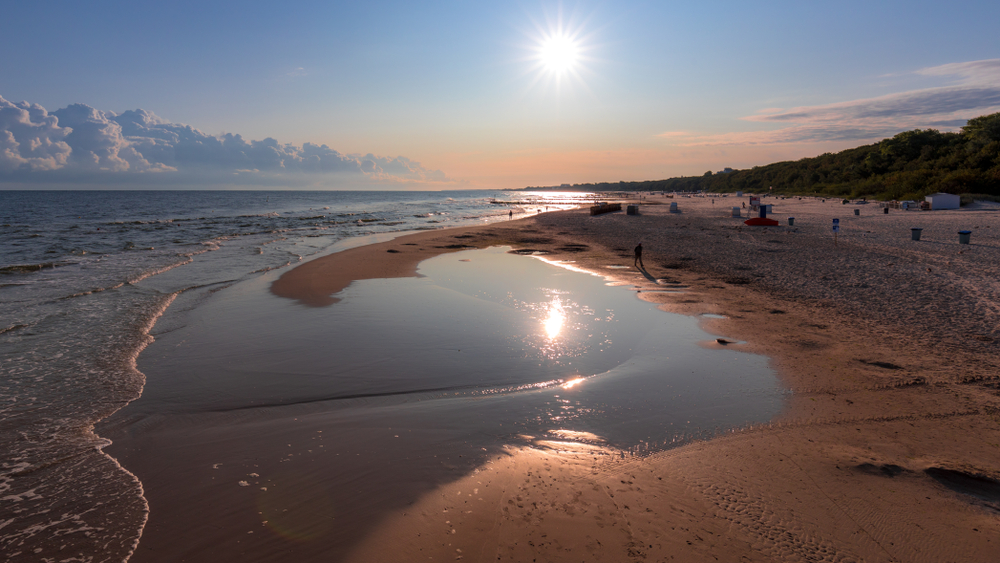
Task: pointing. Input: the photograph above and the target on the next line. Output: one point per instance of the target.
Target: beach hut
(943, 201)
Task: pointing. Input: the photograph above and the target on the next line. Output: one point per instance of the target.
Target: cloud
(972, 72)
(80, 143)
(907, 105)
(975, 91)
(96, 142)
(30, 139)
(674, 134)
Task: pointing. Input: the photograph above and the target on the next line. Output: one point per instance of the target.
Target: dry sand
(889, 451)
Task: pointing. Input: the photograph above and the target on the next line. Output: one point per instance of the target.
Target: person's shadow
(646, 274)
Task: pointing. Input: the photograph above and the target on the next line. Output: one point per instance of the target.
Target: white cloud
(974, 91)
(30, 139)
(97, 144)
(80, 142)
(972, 72)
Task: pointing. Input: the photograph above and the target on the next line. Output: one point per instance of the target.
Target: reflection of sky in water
(493, 343)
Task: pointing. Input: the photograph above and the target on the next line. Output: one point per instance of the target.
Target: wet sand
(888, 450)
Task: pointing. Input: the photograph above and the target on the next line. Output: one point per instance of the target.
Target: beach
(484, 282)
(89, 279)
(886, 447)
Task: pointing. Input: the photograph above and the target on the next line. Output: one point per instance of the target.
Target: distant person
(638, 257)
(744, 205)
(510, 215)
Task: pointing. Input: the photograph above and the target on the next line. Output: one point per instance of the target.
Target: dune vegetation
(909, 165)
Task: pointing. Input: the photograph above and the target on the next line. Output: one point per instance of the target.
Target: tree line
(907, 166)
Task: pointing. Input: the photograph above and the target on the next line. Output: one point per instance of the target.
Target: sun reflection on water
(555, 320)
(561, 328)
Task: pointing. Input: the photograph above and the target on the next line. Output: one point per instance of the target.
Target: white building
(943, 201)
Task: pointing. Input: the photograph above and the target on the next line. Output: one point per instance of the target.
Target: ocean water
(84, 275)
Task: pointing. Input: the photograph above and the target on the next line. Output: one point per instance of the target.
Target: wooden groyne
(605, 208)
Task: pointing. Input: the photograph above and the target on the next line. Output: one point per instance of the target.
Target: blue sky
(449, 95)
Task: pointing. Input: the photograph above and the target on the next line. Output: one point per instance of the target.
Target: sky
(459, 95)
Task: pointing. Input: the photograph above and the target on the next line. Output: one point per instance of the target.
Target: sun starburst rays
(558, 55)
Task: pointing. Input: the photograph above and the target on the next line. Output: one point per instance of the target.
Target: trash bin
(915, 233)
(632, 210)
(885, 211)
(857, 212)
(963, 237)
(791, 221)
(736, 212)
(673, 207)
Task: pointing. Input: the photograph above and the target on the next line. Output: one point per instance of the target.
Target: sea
(84, 275)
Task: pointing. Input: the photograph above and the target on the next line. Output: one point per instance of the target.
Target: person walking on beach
(638, 257)
(510, 215)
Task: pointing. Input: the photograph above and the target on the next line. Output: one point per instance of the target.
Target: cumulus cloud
(974, 91)
(96, 142)
(79, 141)
(30, 138)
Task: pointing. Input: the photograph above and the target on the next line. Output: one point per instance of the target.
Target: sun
(559, 53)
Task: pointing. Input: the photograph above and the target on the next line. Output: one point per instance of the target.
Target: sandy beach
(888, 448)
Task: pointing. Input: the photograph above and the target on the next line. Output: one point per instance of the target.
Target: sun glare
(559, 54)
(554, 322)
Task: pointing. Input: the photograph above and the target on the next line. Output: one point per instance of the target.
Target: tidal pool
(311, 424)
(516, 340)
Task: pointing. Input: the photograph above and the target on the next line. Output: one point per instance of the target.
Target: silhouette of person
(511, 214)
(638, 257)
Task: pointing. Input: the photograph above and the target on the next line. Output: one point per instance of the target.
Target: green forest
(905, 167)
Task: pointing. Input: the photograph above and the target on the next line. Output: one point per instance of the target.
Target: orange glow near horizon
(550, 166)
